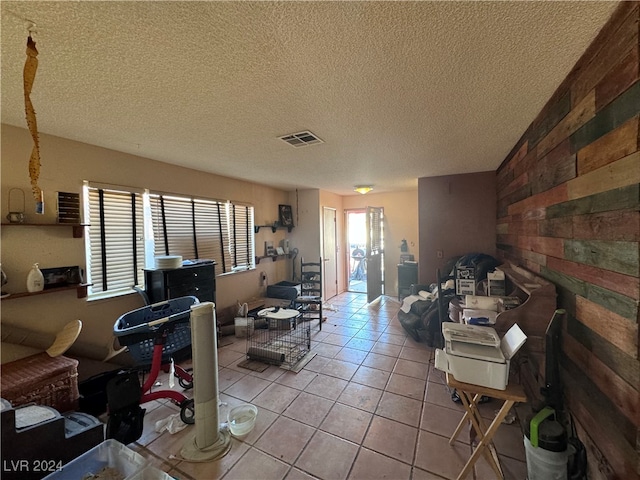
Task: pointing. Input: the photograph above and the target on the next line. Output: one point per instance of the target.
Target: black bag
(126, 418)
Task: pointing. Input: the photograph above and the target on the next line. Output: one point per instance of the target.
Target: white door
(329, 253)
(375, 253)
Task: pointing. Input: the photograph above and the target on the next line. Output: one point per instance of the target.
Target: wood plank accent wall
(569, 210)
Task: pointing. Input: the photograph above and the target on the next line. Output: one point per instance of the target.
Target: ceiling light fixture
(363, 189)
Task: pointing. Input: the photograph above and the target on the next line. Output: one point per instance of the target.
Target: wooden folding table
(470, 395)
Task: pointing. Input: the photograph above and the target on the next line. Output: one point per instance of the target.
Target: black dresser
(198, 280)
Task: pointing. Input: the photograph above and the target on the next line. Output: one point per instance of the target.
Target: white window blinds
(203, 229)
(116, 240)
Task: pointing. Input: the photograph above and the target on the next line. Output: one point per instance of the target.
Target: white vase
(35, 279)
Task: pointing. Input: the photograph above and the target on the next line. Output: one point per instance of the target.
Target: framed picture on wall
(285, 217)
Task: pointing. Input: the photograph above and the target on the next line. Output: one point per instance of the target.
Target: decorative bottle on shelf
(35, 279)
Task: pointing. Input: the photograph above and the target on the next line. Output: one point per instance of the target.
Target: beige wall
(457, 216)
(401, 221)
(65, 164)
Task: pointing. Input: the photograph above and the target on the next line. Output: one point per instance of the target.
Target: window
(128, 227)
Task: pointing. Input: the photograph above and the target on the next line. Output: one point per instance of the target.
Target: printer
(475, 354)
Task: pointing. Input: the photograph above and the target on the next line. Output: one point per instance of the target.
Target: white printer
(475, 354)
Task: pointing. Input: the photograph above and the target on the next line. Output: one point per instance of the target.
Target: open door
(375, 253)
(329, 255)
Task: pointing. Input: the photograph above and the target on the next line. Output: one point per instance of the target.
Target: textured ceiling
(397, 90)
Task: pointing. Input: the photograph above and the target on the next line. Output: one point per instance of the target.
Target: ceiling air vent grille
(301, 139)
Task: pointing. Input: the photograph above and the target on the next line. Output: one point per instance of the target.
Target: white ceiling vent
(301, 139)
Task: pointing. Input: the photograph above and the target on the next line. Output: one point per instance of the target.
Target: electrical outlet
(263, 278)
(439, 254)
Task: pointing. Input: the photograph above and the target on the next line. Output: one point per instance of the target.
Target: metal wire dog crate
(279, 338)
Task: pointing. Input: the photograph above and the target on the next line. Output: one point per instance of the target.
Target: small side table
(470, 395)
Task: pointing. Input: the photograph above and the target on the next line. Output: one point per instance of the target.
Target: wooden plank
(549, 117)
(615, 329)
(502, 228)
(621, 226)
(621, 257)
(614, 145)
(619, 455)
(553, 170)
(606, 58)
(623, 108)
(579, 116)
(526, 163)
(541, 200)
(622, 198)
(514, 185)
(527, 228)
(624, 365)
(556, 227)
(599, 401)
(538, 259)
(619, 304)
(560, 279)
(623, 395)
(621, 77)
(626, 285)
(620, 173)
(548, 246)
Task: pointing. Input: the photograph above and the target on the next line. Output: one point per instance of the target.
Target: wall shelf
(78, 228)
(81, 289)
(272, 257)
(273, 227)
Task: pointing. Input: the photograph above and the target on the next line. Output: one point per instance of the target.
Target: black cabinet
(198, 280)
(407, 276)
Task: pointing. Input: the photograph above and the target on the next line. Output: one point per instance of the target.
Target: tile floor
(369, 405)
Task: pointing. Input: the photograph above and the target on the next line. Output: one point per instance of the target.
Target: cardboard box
(496, 283)
(465, 281)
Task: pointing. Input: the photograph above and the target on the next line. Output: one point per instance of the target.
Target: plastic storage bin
(109, 454)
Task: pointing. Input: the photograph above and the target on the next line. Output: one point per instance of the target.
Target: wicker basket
(41, 379)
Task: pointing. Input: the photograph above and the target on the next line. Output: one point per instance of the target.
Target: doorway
(329, 249)
(357, 242)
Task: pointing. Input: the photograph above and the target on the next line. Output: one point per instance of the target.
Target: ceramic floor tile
(422, 355)
(371, 377)
(276, 397)
(247, 388)
(412, 369)
(392, 339)
(371, 466)
(228, 357)
(512, 469)
(361, 396)
(285, 439)
(328, 457)
(149, 433)
(340, 369)
(351, 355)
(296, 474)
(335, 339)
(256, 464)
(213, 469)
(271, 374)
(408, 386)
(360, 344)
(347, 422)
(297, 380)
(347, 330)
(368, 334)
(227, 377)
(326, 386)
(264, 420)
(419, 474)
(402, 409)
(386, 349)
(381, 362)
(509, 441)
(435, 455)
(326, 349)
(391, 438)
(439, 394)
(316, 364)
(443, 421)
(309, 409)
